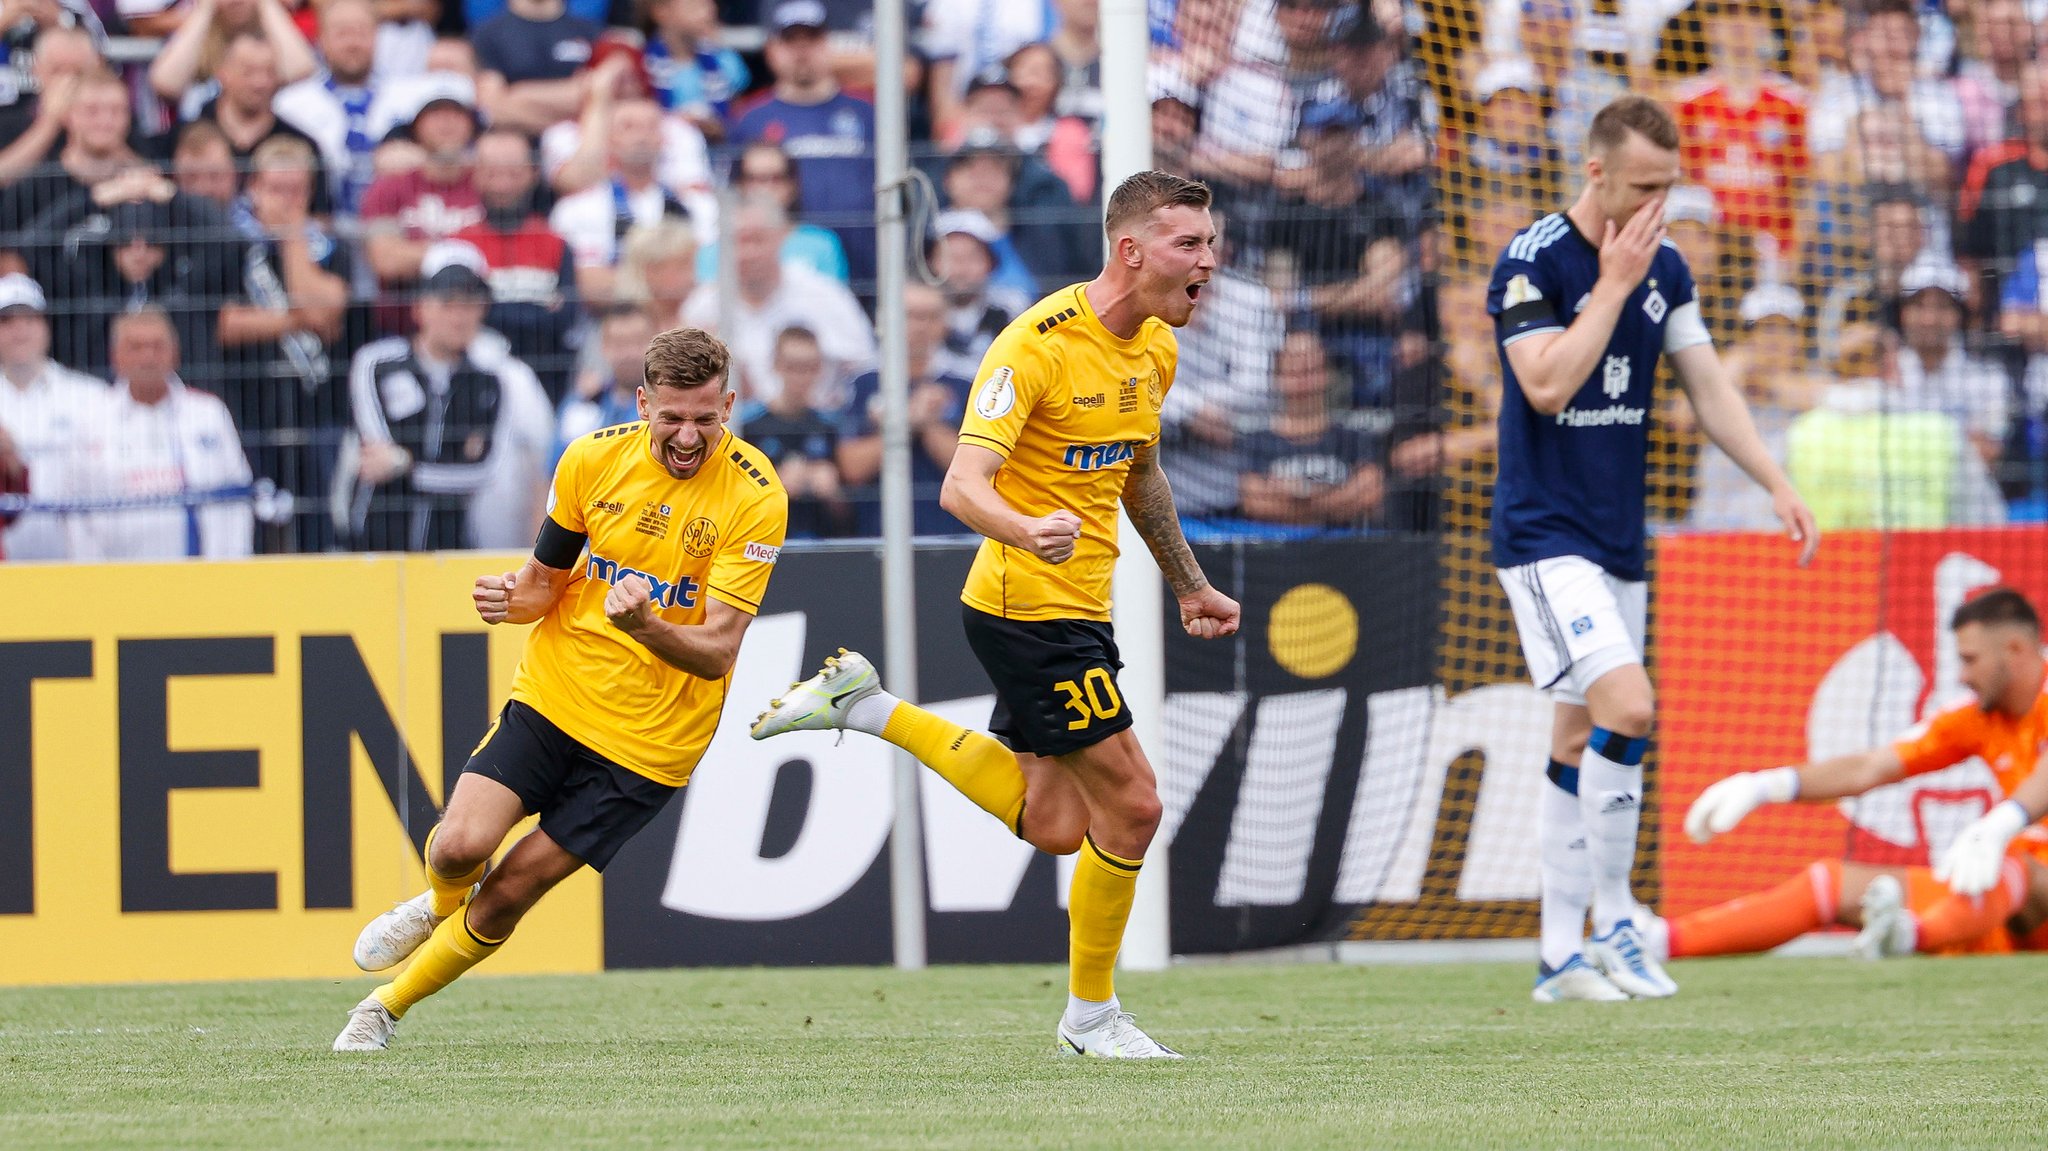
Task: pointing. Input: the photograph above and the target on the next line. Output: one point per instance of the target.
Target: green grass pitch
(1914, 1054)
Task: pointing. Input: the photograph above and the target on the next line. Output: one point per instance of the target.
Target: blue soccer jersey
(1572, 484)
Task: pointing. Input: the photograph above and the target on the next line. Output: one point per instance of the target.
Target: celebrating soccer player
(1585, 301)
(1063, 425)
(651, 562)
(1990, 877)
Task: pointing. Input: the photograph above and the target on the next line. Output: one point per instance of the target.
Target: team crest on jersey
(1155, 389)
(699, 537)
(1653, 306)
(996, 396)
(1519, 291)
(1582, 625)
(1614, 377)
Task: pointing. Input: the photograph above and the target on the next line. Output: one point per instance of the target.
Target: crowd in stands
(315, 275)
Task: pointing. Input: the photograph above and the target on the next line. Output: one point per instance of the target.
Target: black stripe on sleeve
(1528, 314)
(556, 546)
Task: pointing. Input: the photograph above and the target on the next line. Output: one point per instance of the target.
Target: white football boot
(389, 938)
(821, 702)
(1624, 958)
(1116, 1037)
(1576, 980)
(370, 1027)
(1888, 928)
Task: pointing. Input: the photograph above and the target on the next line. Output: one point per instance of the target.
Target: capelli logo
(612, 506)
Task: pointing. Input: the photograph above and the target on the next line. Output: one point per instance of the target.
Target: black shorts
(587, 804)
(1055, 681)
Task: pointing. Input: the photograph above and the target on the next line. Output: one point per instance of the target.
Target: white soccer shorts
(1576, 621)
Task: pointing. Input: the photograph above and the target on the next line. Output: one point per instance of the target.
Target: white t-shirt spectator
(184, 443)
(684, 168)
(48, 421)
(589, 220)
(803, 299)
(976, 34)
(505, 512)
(1249, 111)
(1971, 391)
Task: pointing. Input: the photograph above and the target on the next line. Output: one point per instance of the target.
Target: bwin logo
(682, 592)
(1091, 457)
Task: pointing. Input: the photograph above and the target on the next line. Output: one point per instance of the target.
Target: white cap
(1165, 82)
(401, 101)
(1505, 72)
(18, 291)
(453, 254)
(1689, 202)
(1767, 300)
(967, 222)
(1925, 273)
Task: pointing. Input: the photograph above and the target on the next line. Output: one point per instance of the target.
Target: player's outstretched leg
(847, 695)
(1760, 921)
(1888, 927)
(1562, 972)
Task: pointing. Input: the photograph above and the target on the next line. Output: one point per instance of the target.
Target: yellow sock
(452, 950)
(449, 891)
(1098, 906)
(984, 770)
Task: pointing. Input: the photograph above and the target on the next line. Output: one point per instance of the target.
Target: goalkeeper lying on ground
(1987, 892)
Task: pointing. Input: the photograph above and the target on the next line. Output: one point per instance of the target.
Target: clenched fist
(628, 605)
(1052, 538)
(493, 596)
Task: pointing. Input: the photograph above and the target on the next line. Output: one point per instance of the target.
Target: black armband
(556, 546)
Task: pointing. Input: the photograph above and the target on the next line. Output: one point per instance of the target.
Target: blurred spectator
(128, 255)
(1549, 34)
(773, 296)
(450, 73)
(1397, 119)
(1037, 242)
(829, 134)
(938, 400)
(405, 38)
(1889, 84)
(656, 272)
(334, 105)
(595, 219)
(1744, 128)
(281, 330)
(1769, 365)
(1176, 121)
(764, 169)
(13, 482)
(1223, 387)
(1988, 81)
(1872, 462)
(1689, 214)
(159, 438)
(1198, 45)
(531, 269)
(608, 394)
(248, 81)
(438, 418)
(186, 72)
(2002, 207)
(93, 146)
(45, 84)
(1305, 468)
(477, 13)
(978, 308)
(694, 74)
(1935, 373)
(1512, 142)
(1064, 242)
(27, 29)
(203, 164)
(530, 61)
(1248, 118)
(799, 435)
(621, 116)
(1898, 237)
(46, 410)
(406, 212)
(964, 39)
(1052, 125)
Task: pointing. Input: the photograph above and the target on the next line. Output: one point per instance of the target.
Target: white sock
(1567, 875)
(1611, 804)
(1087, 1014)
(870, 713)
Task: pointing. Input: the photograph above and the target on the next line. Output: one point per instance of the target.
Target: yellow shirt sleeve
(747, 555)
(565, 499)
(1014, 375)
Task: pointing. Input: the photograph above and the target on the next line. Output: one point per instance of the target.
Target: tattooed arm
(1205, 612)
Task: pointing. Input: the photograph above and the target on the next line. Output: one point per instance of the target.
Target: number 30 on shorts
(1093, 698)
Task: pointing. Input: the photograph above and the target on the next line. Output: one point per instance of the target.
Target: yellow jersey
(715, 535)
(1067, 404)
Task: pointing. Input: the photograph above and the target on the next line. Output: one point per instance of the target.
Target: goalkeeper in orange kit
(1987, 892)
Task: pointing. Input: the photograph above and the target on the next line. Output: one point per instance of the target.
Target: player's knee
(1140, 813)
(500, 904)
(1062, 840)
(1632, 716)
(458, 849)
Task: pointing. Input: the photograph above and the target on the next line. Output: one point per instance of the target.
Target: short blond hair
(688, 358)
(1147, 192)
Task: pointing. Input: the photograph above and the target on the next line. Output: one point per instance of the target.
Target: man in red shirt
(1744, 127)
(406, 211)
(531, 271)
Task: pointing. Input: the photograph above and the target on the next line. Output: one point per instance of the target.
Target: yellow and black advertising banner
(221, 771)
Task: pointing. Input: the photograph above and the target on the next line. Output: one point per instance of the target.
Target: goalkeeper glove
(1720, 807)
(1971, 864)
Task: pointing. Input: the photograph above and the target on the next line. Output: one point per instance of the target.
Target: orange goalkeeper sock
(1764, 920)
(1958, 919)
(450, 951)
(981, 768)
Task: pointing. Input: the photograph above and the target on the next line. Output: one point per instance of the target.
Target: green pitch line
(1752, 1053)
